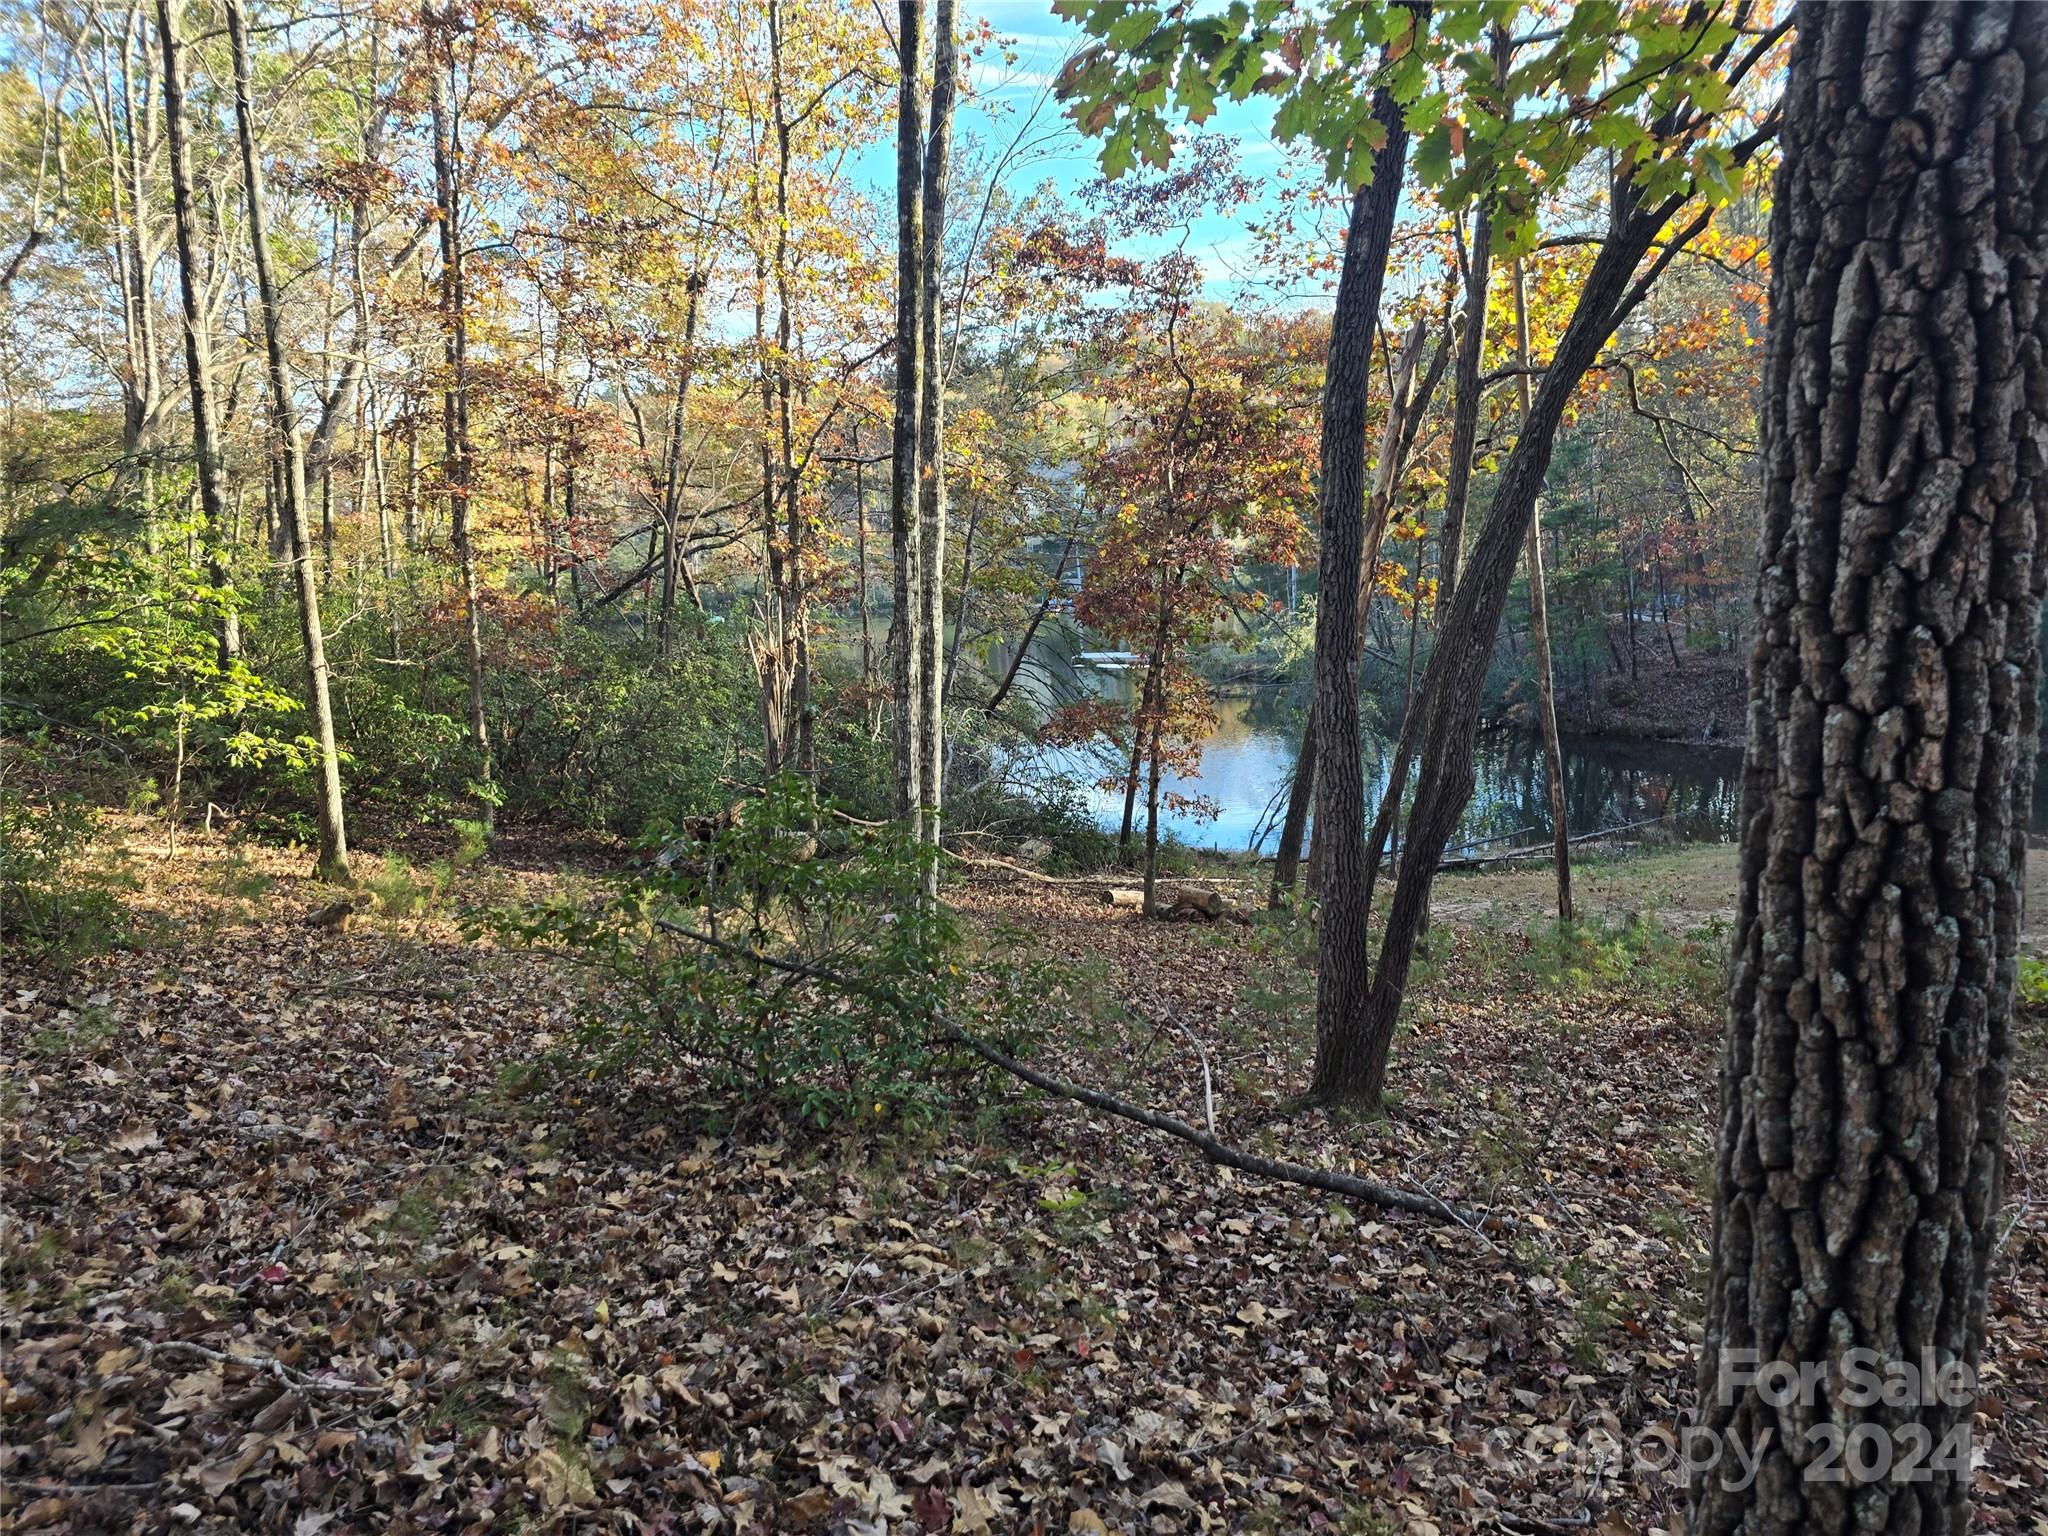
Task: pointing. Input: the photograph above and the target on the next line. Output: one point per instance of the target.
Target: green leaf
(1433, 156)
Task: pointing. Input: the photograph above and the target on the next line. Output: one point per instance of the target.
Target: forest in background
(584, 323)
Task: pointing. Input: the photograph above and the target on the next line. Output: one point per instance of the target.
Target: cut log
(1192, 900)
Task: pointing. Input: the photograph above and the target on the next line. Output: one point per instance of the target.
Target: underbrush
(782, 954)
(1635, 956)
(57, 905)
(1651, 964)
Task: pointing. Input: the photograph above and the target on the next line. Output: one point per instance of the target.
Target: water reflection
(1248, 760)
(1246, 765)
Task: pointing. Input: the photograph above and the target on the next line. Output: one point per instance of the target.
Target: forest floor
(293, 1245)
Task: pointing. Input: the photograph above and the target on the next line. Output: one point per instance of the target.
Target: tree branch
(1211, 1147)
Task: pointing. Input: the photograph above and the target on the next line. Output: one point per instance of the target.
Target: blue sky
(1005, 96)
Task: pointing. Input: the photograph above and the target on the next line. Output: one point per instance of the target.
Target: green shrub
(2031, 993)
(54, 910)
(823, 969)
(609, 736)
(1638, 954)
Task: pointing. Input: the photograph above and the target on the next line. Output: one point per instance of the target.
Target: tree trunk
(673, 557)
(931, 573)
(1889, 769)
(1452, 684)
(333, 860)
(1539, 636)
(867, 632)
(198, 347)
(1341, 977)
(460, 452)
(1301, 795)
(904, 533)
(1405, 408)
(1465, 406)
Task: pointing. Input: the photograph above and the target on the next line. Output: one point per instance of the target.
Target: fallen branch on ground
(1211, 1147)
(988, 862)
(297, 1381)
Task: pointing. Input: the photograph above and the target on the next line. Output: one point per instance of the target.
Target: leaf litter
(291, 1248)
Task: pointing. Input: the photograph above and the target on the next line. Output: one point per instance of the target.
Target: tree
(906, 435)
(931, 501)
(333, 859)
(458, 448)
(1679, 133)
(1890, 763)
(1539, 633)
(1207, 474)
(198, 346)
(1341, 977)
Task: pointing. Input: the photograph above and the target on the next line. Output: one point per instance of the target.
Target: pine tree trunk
(1890, 763)
(333, 860)
(904, 538)
(1341, 975)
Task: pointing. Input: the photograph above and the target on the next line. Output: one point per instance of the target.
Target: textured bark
(1539, 637)
(1890, 759)
(931, 500)
(1341, 977)
(333, 859)
(904, 542)
(198, 347)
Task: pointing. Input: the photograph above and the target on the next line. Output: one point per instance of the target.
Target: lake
(1249, 758)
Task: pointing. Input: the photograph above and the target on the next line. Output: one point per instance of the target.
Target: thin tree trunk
(1150, 724)
(904, 533)
(1539, 634)
(867, 633)
(460, 452)
(931, 572)
(1300, 795)
(198, 346)
(1465, 391)
(796, 643)
(1893, 691)
(1341, 977)
(333, 860)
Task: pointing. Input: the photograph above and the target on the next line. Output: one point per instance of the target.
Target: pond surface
(1693, 791)
(1248, 760)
